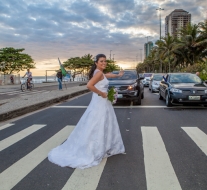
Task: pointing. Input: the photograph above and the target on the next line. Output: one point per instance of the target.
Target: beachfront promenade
(14, 103)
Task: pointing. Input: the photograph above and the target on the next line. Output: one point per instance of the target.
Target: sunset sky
(68, 28)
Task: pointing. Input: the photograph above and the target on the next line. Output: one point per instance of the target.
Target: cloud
(51, 29)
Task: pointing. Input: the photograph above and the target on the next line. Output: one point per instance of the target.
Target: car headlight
(131, 87)
(176, 90)
(206, 91)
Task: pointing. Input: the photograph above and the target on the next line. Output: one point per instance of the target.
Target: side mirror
(140, 78)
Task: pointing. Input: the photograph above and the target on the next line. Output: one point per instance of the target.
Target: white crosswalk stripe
(6, 126)
(86, 179)
(159, 171)
(18, 136)
(19, 92)
(198, 136)
(12, 175)
(158, 167)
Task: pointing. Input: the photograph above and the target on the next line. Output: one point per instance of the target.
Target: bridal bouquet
(112, 95)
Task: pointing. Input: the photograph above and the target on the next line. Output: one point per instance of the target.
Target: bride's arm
(111, 75)
(96, 78)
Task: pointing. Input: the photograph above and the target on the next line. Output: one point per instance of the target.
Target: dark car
(183, 88)
(129, 86)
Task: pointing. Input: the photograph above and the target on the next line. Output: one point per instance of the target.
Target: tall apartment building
(175, 21)
(147, 48)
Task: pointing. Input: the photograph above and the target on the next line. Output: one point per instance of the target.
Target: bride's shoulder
(97, 71)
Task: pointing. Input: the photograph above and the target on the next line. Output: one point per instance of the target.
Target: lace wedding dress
(95, 137)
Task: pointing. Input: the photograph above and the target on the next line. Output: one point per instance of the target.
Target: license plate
(120, 96)
(194, 97)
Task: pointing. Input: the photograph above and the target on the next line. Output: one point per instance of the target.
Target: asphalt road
(165, 149)
(44, 89)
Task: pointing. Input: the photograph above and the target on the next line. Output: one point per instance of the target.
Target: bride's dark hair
(93, 68)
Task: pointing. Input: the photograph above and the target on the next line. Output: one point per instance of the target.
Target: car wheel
(168, 101)
(137, 101)
(142, 97)
(160, 97)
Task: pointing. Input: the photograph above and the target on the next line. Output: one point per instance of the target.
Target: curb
(18, 112)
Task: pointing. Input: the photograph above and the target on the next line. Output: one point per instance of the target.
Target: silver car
(154, 83)
(146, 79)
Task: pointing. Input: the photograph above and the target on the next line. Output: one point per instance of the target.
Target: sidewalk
(5, 88)
(10, 108)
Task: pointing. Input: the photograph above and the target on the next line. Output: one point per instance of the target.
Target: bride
(97, 133)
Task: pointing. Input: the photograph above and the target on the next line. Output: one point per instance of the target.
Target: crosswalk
(25, 93)
(159, 171)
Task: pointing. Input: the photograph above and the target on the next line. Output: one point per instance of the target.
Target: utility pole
(160, 9)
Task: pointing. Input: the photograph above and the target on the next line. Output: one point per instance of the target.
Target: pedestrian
(97, 134)
(60, 77)
(12, 79)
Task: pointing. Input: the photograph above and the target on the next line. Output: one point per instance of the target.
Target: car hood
(121, 82)
(189, 85)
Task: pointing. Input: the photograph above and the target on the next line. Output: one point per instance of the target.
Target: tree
(111, 66)
(78, 64)
(14, 60)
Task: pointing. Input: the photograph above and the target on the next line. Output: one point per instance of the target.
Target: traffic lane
(54, 119)
(179, 146)
(150, 99)
(188, 160)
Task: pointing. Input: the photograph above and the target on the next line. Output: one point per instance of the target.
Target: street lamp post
(160, 9)
(141, 54)
(110, 54)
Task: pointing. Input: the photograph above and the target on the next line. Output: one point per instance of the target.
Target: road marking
(159, 171)
(116, 107)
(18, 136)
(137, 107)
(5, 126)
(86, 179)
(16, 172)
(198, 136)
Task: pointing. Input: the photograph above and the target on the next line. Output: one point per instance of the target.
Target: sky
(70, 28)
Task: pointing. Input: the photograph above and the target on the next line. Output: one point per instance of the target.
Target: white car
(146, 79)
(155, 80)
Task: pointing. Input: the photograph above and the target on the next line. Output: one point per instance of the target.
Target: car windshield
(147, 74)
(184, 78)
(157, 77)
(127, 76)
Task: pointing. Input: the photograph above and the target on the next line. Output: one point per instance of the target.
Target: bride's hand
(103, 94)
(121, 73)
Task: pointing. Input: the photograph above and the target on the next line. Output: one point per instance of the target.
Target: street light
(110, 54)
(141, 54)
(160, 9)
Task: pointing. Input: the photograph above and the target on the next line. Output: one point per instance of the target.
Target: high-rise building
(147, 48)
(175, 21)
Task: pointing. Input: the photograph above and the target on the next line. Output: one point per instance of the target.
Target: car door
(151, 80)
(163, 85)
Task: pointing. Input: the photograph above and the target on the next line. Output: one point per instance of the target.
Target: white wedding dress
(95, 137)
